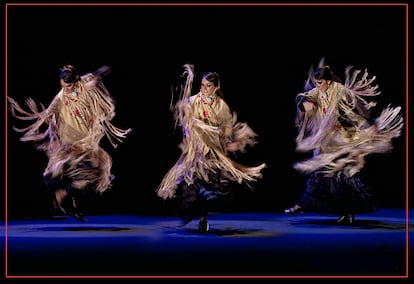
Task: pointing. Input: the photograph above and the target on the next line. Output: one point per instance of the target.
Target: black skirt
(339, 195)
(198, 198)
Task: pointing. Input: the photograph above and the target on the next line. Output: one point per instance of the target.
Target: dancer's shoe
(294, 210)
(79, 216)
(59, 199)
(346, 219)
(203, 226)
(76, 212)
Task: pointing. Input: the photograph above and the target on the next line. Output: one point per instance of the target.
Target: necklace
(207, 99)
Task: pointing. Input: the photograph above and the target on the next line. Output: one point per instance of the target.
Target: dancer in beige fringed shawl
(210, 132)
(77, 119)
(334, 121)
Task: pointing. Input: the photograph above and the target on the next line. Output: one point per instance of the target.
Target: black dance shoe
(203, 226)
(294, 210)
(79, 216)
(58, 210)
(58, 203)
(346, 219)
(76, 212)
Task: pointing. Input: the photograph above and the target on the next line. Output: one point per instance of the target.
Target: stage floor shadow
(241, 244)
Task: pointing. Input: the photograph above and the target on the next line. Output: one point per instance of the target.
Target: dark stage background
(262, 53)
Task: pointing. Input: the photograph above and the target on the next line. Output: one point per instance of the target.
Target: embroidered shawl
(338, 131)
(69, 131)
(206, 127)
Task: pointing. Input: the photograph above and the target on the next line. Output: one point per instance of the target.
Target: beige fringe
(203, 146)
(340, 149)
(84, 161)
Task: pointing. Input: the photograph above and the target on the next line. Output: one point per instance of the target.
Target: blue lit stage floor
(250, 244)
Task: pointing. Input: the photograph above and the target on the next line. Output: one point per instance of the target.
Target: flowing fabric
(339, 131)
(69, 131)
(207, 125)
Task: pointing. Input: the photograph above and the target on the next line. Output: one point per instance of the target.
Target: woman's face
(67, 87)
(322, 85)
(207, 87)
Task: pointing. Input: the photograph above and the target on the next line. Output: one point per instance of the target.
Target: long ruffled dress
(341, 132)
(204, 169)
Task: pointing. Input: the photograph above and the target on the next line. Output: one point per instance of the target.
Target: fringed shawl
(74, 128)
(207, 127)
(338, 146)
